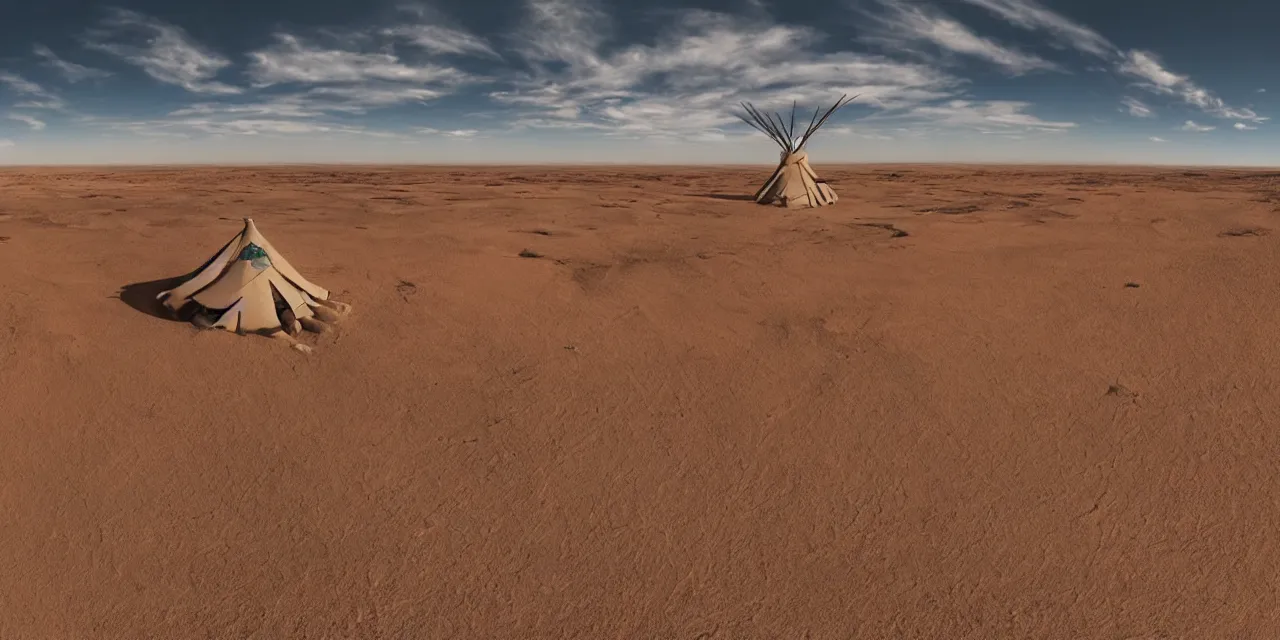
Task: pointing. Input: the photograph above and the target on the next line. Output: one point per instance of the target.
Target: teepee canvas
(794, 183)
(249, 287)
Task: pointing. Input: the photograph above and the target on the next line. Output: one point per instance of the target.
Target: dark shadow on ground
(729, 196)
(142, 297)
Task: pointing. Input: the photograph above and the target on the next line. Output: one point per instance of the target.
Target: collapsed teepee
(793, 184)
(249, 287)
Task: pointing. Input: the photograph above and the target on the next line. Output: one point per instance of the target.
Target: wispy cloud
(163, 51)
(1145, 66)
(702, 63)
(291, 60)
(441, 40)
(426, 28)
(51, 104)
(71, 71)
(40, 98)
(292, 114)
(186, 126)
(357, 71)
(564, 68)
(315, 102)
(1240, 126)
(1031, 15)
(901, 24)
(1157, 139)
(993, 115)
(1190, 125)
(300, 84)
(284, 107)
(1136, 108)
(455, 133)
(19, 84)
(359, 98)
(860, 132)
(5, 142)
(31, 121)
(568, 31)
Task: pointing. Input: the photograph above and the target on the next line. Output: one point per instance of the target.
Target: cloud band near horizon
(573, 72)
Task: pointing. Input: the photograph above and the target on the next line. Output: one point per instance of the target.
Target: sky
(616, 81)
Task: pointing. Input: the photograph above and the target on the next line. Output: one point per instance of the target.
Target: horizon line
(577, 165)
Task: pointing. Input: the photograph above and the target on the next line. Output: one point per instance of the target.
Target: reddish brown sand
(1047, 408)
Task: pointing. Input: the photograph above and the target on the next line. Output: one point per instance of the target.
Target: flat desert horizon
(963, 402)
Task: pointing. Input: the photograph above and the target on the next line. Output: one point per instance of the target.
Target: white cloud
(441, 40)
(286, 107)
(291, 60)
(1136, 108)
(256, 126)
(42, 98)
(1032, 15)
(317, 101)
(1262, 90)
(21, 85)
(54, 104)
(329, 78)
(163, 51)
(989, 116)
(359, 98)
(356, 71)
(455, 133)
(859, 132)
(71, 71)
(907, 23)
(567, 31)
(221, 125)
(4, 143)
(426, 28)
(1190, 125)
(1146, 66)
(30, 121)
(700, 65)
(1157, 139)
(1240, 126)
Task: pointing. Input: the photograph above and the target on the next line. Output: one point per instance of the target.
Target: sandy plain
(965, 402)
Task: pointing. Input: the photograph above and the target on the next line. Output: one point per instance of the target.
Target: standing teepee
(249, 287)
(793, 184)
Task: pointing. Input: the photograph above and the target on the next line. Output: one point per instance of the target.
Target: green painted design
(253, 252)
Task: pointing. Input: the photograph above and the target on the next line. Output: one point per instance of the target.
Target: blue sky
(517, 81)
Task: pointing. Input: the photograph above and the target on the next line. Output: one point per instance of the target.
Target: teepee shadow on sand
(246, 287)
(141, 296)
(794, 184)
(728, 196)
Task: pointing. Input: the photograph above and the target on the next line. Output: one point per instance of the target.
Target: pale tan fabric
(242, 293)
(795, 185)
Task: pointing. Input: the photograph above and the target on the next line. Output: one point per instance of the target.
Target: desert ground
(964, 402)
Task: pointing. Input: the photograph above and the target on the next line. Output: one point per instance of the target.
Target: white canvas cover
(246, 286)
